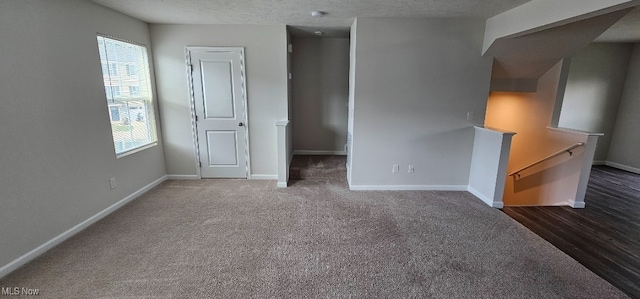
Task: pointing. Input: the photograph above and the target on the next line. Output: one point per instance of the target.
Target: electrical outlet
(112, 183)
(411, 169)
(396, 168)
(469, 115)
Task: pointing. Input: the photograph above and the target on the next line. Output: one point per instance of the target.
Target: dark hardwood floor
(604, 236)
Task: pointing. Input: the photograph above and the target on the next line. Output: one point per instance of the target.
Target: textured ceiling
(339, 17)
(340, 13)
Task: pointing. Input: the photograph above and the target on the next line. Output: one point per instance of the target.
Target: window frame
(147, 102)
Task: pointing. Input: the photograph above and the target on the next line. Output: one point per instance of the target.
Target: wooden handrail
(558, 153)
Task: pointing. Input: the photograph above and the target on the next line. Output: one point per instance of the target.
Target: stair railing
(568, 149)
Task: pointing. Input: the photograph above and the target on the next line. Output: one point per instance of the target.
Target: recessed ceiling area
(625, 30)
(530, 56)
(329, 32)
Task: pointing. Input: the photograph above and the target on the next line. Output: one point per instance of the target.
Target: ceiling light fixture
(317, 14)
(319, 33)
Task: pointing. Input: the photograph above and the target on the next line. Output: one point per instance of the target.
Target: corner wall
(415, 81)
(593, 91)
(57, 151)
(267, 89)
(289, 131)
(623, 152)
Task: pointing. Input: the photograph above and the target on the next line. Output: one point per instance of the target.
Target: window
(131, 114)
(134, 90)
(131, 70)
(113, 69)
(112, 91)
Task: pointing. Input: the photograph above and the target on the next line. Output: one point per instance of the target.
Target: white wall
(415, 81)
(593, 91)
(626, 139)
(57, 151)
(266, 66)
(320, 93)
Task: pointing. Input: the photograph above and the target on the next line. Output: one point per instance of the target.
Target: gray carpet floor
(247, 239)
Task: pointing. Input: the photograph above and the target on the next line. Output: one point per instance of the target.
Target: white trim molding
(408, 187)
(498, 205)
(319, 153)
(598, 163)
(264, 177)
(573, 131)
(490, 202)
(623, 167)
(577, 204)
(27, 257)
(283, 140)
(182, 177)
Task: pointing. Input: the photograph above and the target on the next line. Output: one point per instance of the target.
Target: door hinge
(199, 164)
(196, 118)
(191, 67)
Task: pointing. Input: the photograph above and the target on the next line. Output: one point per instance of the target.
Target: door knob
(241, 124)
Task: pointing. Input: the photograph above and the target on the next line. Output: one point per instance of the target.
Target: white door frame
(192, 101)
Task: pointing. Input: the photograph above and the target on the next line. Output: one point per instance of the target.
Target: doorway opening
(320, 95)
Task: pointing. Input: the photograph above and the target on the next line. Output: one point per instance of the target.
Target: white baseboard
(577, 205)
(182, 177)
(408, 187)
(623, 167)
(17, 263)
(489, 202)
(498, 205)
(319, 153)
(599, 163)
(283, 185)
(264, 177)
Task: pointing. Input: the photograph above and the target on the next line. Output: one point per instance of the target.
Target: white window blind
(127, 85)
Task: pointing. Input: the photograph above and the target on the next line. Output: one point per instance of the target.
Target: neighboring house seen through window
(131, 112)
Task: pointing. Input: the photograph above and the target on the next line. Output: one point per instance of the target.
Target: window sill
(135, 150)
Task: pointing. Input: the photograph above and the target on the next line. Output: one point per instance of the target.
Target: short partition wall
(284, 152)
(557, 176)
(491, 148)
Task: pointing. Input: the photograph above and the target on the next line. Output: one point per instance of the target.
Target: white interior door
(220, 107)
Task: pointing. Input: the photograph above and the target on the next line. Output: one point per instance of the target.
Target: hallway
(318, 167)
(605, 236)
